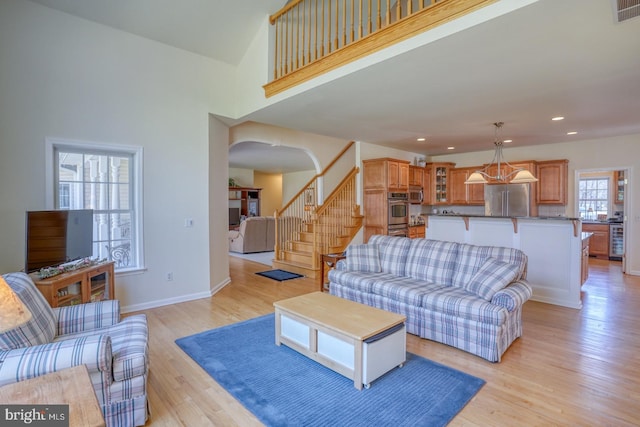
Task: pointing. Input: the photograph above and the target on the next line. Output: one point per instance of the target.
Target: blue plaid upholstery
(430, 293)
(471, 258)
(363, 258)
(358, 279)
(432, 260)
(393, 252)
(40, 329)
(492, 276)
(94, 315)
(403, 289)
(115, 352)
(513, 296)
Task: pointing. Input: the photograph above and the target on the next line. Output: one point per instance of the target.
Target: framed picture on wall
(309, 198)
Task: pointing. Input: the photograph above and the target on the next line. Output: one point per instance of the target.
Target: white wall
(218, 196)
(293, 182)
(271, 195)
(621, 152)
(66, 77)
(242, 177)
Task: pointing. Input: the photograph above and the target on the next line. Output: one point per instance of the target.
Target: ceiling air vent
(626, 9)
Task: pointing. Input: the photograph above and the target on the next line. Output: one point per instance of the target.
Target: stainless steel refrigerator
(506, 199)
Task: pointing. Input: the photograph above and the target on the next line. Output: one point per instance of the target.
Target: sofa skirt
(481, 339)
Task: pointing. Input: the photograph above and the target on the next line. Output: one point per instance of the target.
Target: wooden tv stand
(88, 284)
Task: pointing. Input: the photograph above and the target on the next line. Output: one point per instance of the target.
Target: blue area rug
(283, 388)
(279, 275)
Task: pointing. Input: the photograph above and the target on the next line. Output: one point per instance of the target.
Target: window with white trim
(104, 180)
(593, 198)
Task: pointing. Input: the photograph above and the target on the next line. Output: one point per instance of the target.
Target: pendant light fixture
(520, 175)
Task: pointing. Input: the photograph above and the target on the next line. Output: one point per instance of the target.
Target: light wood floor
(571, 367)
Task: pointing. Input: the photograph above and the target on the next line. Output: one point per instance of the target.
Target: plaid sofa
(114, 350)
(466, 296)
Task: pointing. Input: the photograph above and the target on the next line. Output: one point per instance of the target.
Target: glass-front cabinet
(619, 186)
(440, 183)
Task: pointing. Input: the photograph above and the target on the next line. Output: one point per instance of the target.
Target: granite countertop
(587, 221)
(558, 218)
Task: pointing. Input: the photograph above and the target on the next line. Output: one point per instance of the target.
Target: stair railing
(337, 219)
(341, 31)
(298, 214)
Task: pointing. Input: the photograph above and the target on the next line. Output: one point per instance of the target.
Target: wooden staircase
(305, 230)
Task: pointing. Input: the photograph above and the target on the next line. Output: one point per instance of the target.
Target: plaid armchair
(115, 351)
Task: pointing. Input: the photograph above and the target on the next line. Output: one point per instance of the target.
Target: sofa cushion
(41, 328)
(404, 289)
(471, 258)
(363, 258)
(393, 253)
(457, 302)
(492, 276)
(357, 279)
(432, 260)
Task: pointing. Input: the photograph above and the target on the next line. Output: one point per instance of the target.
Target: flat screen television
(57, 236)
(234, 216)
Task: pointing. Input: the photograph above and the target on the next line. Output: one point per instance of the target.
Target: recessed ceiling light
(555, 119)
(451, 148)
(573, 132)
(508, 140)
(421, 139)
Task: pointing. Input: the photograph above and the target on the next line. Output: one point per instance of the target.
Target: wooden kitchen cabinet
(390, 174)
(416, 176)
(439, 183)
(599, 242)
(426, 187)
(552, 188)
(381, 176)
(376, 213)
(458, 190)
(417, 231)
(461, 193)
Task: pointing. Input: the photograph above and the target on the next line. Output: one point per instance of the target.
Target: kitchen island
(553, 246)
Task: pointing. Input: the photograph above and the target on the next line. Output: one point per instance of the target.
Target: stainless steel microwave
(416, 195)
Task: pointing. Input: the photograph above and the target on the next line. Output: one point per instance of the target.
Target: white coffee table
(357, 341)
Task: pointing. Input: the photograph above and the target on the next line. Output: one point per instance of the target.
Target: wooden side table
(70, 386)
(327, 263)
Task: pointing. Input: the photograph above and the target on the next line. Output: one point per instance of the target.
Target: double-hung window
(105, 179)
(593, 198)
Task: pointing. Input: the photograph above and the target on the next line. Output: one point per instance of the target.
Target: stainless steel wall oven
(398, 208)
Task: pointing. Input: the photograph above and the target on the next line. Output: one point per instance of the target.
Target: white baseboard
(176, 300)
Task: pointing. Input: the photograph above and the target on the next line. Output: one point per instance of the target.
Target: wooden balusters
(309, 30)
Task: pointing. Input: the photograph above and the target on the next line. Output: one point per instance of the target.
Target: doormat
(279, 275)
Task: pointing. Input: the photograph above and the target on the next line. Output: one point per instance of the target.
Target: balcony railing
(312, 37)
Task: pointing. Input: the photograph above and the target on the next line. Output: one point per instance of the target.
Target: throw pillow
(363, 258)
(492, 276)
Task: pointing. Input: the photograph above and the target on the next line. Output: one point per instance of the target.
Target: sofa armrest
(87, 317)
(513, 296)
(29, 362)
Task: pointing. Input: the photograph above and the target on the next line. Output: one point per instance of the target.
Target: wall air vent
(626, 9)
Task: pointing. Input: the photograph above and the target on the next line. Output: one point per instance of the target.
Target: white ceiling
(550, 58)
